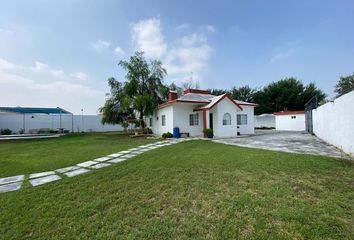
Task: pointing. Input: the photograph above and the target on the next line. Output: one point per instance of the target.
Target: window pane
(226, 119)
(193, 119)
(242, 119)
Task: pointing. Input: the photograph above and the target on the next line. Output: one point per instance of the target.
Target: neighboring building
(197, 109)
(290, 120)
(264, 121)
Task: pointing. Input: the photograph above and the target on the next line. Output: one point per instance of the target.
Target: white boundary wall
(80, 123)
(264, 120)
(334, 122)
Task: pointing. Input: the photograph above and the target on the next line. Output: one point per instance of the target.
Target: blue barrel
(176, 133)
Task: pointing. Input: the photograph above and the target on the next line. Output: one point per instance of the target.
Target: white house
(290, 120)
(197, 109)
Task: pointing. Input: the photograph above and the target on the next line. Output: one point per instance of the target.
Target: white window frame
(242, 119)
(194, 119)
(163, 120)
(226, 119)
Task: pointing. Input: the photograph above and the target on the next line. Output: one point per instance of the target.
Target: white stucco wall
(181, 114)
(157, 127)
(334, 122)
(225, 106)
(264, 120)
(249, 128)
(85, 123)
(285, 122)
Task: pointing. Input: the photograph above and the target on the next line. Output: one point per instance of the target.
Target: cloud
(21, 86)
(289, 49)
(210, 28)
(80, 76)
(40, 67)
(100, 45)
(118, 51)
(147, 37)
(182, 27)
(181, 57)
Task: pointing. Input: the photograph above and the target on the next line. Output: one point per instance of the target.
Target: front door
(211, 120)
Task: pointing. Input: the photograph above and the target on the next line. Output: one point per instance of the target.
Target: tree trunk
(141, 118)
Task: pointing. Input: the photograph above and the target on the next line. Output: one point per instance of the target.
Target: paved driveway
(287, 141)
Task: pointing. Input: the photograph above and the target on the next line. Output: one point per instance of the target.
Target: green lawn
(191, 190)
(30, 156)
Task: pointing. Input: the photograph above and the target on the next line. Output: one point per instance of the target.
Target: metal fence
(309, 106)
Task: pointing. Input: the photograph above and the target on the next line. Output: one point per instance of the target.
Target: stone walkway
(14, 183)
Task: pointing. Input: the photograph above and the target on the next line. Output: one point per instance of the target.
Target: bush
(167, 135)
(5, 131)
(209, 132)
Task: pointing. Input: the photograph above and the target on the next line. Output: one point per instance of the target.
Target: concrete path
(14, 183)
(287, 141)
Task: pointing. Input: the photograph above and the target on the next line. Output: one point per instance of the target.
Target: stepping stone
(125, 152)
(129, 156)
(117, 160)
(144, 150)
(10, 187)
(67, 169)
(43, 180)
(114, 155)
(133, 149)
(41, 174)
(101, 159)
(12, 179)
(100, 165)
(86, 164)
(76, 172)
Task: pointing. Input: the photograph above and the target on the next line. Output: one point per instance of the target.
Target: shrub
(209, 132)
(167, 135)
(5, 131)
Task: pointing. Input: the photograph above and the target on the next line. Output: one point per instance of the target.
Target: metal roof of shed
(34, 110)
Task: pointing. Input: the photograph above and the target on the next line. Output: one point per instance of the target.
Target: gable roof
(216, 100)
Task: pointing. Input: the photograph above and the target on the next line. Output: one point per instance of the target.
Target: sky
(61, 53)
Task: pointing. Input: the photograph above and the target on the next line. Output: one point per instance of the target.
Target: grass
(191, 190)
(30, 156)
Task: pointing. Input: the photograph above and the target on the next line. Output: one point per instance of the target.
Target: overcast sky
(60, 53)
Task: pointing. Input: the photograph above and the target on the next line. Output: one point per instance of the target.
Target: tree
(344, 85)
(217, 92)
(286, 94)
(142, 91)
(114, 110)
(244, 93)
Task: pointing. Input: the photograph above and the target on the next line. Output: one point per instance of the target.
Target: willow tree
(140, 94)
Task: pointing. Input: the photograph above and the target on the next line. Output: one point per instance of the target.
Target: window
(150, 122)
(193, 119)
(226, 119)
(293, 117)
(163, 120)
(241, 119)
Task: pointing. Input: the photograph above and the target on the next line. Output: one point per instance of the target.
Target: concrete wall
(286, 122)
(264, 120)
(85, 123)
(334, 122)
